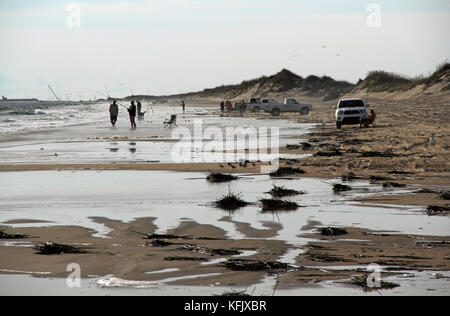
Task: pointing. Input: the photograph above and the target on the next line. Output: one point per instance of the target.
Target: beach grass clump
(341, 188)
(286, 171)
(270, 205)
(217, 177)
(281, 191)
(332, 231)
(4, 235)
(50, 248)
(231, 202)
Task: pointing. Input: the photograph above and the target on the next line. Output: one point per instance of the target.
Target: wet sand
(124, 254)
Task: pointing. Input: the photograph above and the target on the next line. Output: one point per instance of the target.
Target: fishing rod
(107, 96)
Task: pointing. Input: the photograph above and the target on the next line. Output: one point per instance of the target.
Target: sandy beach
(106, 201)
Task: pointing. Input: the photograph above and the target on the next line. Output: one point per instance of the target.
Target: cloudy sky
(173, 46)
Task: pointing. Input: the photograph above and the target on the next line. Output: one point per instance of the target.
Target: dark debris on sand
(329, 153)
(438, 210)
(393, 185)
(4, 235)
(217, 177)
(378, 178)
(159, 243)
(231, 202)
(180, 258)
(341, 188)
(212, 252)
(445, 195)
(281, 191)
(349, 176)
(255, 265)
(384, 154)
(50, 248)
(164, 236)
(332, 231)
(286, 171)
(362, 282)
(271, 205)
(234, 293)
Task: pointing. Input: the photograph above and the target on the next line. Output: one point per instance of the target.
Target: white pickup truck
(350, 111)
(289, 105)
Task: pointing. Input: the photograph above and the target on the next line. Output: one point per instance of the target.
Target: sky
(173, 46)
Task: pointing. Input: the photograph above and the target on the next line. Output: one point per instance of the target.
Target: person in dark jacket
(132, 112)
(114, 112)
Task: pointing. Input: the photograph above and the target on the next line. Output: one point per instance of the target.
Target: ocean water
(17, 117)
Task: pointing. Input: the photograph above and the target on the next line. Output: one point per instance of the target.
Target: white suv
(350, 111)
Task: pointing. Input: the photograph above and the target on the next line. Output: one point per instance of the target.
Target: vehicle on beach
(289, 105)
(254, 105)
(350, 111)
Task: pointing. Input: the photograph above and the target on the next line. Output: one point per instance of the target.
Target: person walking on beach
(222, 106)
(114, 112)
(183, 105)
(132, 112)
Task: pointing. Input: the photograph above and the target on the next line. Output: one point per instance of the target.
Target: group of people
(229, 106)
(132, 111)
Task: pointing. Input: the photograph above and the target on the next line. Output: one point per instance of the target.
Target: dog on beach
(141, 115)
(367, 121)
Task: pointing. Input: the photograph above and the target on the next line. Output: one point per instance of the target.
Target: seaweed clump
(332, 231)
(159, 243)
(438, 210)
(341, 188)
(362, 282)
(280, 191)
(278, 205)
(286, 171)
(50, 248)
(217, 177)
(4, 235)
(233, 293)
(255, 265)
